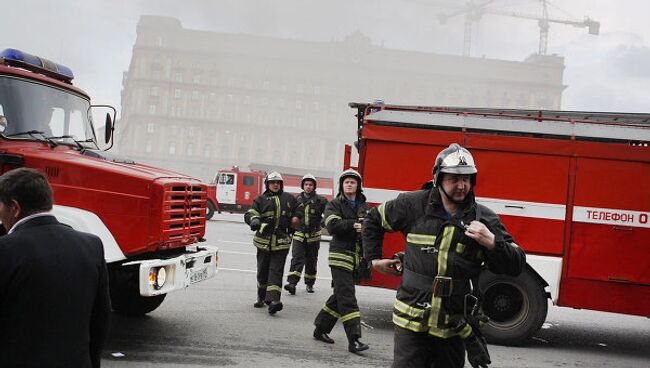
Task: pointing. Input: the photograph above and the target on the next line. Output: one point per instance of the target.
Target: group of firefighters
(449, 239)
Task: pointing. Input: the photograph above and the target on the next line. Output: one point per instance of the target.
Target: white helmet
(350, 173)
(454, 160)
(308, 177)
(273, 176)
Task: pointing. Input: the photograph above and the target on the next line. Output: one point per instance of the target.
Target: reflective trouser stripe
(273, 288)
(331, 312)
(296, 273)
(310, 277)
(345, 265)
(350, 316)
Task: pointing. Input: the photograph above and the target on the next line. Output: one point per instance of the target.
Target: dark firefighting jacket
(436, 245)
(275, 212)
(310, 212)
(345, 247)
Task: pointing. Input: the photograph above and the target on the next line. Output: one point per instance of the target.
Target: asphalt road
(213, 324)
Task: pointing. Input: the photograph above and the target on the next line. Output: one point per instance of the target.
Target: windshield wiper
(70, 137)
(32, 133)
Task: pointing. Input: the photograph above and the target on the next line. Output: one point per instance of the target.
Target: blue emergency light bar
(37, 64)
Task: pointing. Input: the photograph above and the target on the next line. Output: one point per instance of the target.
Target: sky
(608, 72)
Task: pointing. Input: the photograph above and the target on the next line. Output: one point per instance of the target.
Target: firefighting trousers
(422, 350)
(270, 267)
(341, 305)
(303, 254)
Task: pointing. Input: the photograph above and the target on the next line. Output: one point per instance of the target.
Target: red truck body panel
(582, 200)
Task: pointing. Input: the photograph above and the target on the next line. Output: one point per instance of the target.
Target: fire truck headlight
(157, 277)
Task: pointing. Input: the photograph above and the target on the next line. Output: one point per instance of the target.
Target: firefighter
(342, 220)
(270, 217)
(306, 241)
(449, 239)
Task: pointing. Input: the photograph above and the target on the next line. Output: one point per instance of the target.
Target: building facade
(196, 101)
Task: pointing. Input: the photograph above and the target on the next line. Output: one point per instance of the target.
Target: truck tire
(211, 208)
(517, 307)
(125, 294)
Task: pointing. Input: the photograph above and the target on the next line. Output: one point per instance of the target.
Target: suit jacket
(54, 301)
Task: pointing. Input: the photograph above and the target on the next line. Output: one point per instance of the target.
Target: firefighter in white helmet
(450, 239)
(306, 240)
(343, 220)
(271, 216)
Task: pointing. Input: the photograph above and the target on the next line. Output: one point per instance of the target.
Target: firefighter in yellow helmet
(306, 241)
(449, 240)
(270, 217)
(343, 220)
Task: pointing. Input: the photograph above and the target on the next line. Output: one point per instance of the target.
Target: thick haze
(94, 38)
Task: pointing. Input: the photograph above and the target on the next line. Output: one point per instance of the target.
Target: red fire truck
(234, 190)
(150, 220)
(572, 188)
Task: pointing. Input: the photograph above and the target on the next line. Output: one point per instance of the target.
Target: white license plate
(199, 275)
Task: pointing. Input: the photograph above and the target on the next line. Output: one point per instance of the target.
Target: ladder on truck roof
(580, 125)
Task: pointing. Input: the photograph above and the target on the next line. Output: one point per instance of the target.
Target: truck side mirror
(108, 128)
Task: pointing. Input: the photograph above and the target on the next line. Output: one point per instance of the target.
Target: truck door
(611, 224)
(227, 188)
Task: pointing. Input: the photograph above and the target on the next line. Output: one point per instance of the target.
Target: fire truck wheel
(517, 307)
(211, 209)
(125, 295)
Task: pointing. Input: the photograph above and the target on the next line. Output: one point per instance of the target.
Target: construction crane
(474, 11)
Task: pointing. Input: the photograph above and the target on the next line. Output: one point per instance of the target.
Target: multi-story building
(195, 101)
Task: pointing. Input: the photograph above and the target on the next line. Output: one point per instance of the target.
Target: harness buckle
(443, 286)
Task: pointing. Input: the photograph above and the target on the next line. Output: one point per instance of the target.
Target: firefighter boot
(322, 336)
(291, 288)
(310, 288)
(355, 346)
(275, 306)
(261, 293)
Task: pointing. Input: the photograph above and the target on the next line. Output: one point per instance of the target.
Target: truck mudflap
(161, 276)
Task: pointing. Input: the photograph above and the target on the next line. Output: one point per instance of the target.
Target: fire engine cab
(571, 187)
(234, 189)
(150, 220)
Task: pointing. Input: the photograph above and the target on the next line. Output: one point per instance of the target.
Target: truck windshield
(44, 111)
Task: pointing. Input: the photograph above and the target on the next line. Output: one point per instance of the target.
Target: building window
(189, 150)
(316, 106)
(265, 101)
(266, 85)
(197, 79)
(299, 88)
(247, 100)
(179, 77)
(172, 129)
(154, 91)
(195, 95)
(229, 98)
(147, 147)
(298, 105)
(152, 109)
(149, 127)
(190, 132)
(159, 41)
(206, 151)
(213, 96)
(317, 90)
(177, 93)
(155, 74)
(172, 148)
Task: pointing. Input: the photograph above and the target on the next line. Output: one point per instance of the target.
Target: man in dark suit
(54, 301)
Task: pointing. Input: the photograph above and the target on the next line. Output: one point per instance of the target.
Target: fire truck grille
(184, 209)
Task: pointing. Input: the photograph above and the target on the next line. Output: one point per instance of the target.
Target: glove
(477, 352)
(255, 224)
